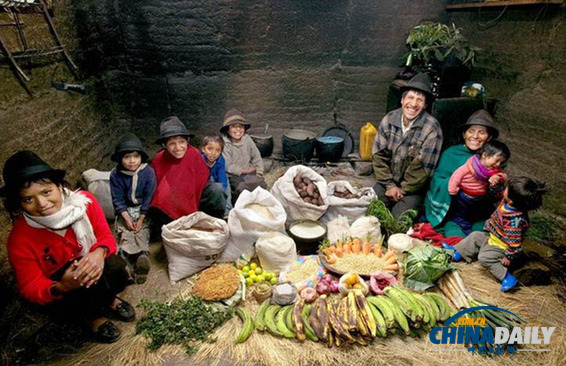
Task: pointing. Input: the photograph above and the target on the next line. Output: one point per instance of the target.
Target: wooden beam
(486, 4)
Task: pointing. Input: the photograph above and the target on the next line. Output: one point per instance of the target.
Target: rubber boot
(509, 281)
(456, 256)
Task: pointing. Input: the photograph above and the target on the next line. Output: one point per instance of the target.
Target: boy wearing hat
(132, 184)
(244, 165)
(406, 149)
(182, 177)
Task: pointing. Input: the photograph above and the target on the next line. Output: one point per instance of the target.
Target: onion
(334, 286)
(323, 288)
(309, 294)
(328, 278)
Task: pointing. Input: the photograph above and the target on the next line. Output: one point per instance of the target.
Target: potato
(315, 195)
(310, 189)
(297, 180)
(307, 181)
(307, 200)
(303, 193)
(302, 185)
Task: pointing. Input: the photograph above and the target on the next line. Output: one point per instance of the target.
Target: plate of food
(358, 256)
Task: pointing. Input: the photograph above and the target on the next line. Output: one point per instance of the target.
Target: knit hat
(171, 127)
(481, 118)
(23, 167)
(234, 116)
(420, 82)
(128, 142)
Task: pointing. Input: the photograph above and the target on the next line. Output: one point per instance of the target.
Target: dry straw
(538, 306)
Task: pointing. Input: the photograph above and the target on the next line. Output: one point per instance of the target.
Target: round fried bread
(218, 282)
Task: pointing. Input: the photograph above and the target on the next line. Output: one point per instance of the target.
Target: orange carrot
(391, 260)
(388, 254)
(391, 267)
(339, 252)
(331, 259)
(331, 249)
(356, 245)
(377, 251)
(366, 247)
(339, 244)
(347, 248)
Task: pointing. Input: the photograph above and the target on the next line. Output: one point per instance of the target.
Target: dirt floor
(130, 349)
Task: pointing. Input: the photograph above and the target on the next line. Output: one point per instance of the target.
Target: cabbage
(424, 266)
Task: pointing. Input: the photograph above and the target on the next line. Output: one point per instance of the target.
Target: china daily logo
(498, 340)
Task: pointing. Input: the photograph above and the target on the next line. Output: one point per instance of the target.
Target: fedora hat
(420, 82)
(128, 142)
(481, 117)
(234, 116)
(25, 166)
(171, 127)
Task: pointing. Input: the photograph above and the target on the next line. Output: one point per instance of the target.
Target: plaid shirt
(406, 161)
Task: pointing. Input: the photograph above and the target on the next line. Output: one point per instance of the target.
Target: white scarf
(73, 214)
(134, 176)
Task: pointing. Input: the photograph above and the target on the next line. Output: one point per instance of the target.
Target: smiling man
(406, 149)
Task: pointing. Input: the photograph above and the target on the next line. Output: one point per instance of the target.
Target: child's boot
(142, 268)
(456, 256)
(509, 281)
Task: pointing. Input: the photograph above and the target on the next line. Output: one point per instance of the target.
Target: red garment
(424, 231)
(180, 182)
(36, 254)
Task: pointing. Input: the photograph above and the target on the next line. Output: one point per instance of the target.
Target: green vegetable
(393, 226)
(181, 322)
(424, 266)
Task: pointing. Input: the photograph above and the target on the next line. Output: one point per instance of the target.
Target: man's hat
(420, 82)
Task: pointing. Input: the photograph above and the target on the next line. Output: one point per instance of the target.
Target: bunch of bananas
(354, 318)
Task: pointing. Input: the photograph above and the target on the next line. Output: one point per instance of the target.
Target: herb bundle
(182, 322)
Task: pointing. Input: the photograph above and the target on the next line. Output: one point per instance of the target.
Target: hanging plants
(432, 44)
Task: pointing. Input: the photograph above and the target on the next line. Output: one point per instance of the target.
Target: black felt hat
(128, 142)
(420, 82)
(25, 166)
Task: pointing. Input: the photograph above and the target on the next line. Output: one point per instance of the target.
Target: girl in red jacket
(61, 247)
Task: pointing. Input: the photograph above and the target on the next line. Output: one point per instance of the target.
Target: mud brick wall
(302, 64)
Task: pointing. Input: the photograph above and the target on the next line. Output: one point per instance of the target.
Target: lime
(258, 271)
(239, 271)
(251, 272)
(273, 280)
(253, 265)
(246, 269)
(268, 276)
(249, 281)
(245, 274)
(257, 279)
(261, 278)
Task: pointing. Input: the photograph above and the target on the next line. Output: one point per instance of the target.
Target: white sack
(352, 208)
(275, 251)
(247, 222)
(367, 226)
(193, 243)
(98, 183)
(284, 190)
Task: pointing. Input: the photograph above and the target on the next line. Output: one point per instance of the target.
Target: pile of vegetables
(392, 225)
(424, 266)
(346, 194)
(182, 322)
(308, 190)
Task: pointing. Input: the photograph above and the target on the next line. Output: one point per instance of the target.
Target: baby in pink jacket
(470, 183)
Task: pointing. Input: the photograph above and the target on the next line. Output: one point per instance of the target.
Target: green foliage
(388, 222)
(543, 229)
(181, 322)
(424, 266)
(431, 43)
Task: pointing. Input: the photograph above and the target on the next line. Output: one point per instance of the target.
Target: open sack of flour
(302, 191)
(255, 213)
(345, 200)
(193, 243)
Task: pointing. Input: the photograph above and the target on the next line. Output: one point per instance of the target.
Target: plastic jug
(367, 135)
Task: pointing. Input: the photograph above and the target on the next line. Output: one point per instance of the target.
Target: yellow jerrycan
(367, 135)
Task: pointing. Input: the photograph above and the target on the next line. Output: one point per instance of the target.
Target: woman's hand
(90, 267)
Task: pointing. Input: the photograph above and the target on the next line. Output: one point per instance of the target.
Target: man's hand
(130, 224)
(89, 268)
(394, 194)
(248, 170)
(505, 261)
(139, 224)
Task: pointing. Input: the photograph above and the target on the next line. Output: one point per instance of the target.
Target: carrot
(391, 267)
(366, 247)
(331, 259)
(377, 251)
(391, 260)
(339, 244)
(388, 255)
(331, 249)
(356, 245)
(339, 252)
(347, 248)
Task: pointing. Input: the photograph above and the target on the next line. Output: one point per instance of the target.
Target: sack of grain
(275, 251)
